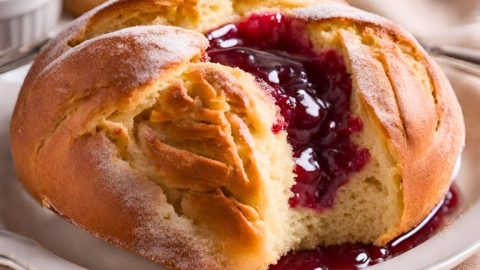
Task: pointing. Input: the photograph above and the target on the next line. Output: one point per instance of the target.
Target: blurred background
(443, 22)
(439, 21)
(436, 23)
(450, 22)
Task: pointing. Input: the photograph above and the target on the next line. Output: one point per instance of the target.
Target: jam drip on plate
(358, 256)
(312, 90)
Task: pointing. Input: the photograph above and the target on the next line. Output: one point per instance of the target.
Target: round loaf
(124, 128)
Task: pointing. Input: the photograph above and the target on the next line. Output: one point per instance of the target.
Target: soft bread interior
(370, 203)
(366, 208)
(196, 131)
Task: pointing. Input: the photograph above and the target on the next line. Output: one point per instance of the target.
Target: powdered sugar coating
(158, 226)
(74, 87)
(358, 17)
(337, 10)
(154, 49)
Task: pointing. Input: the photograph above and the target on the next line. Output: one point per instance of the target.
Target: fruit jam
(312, 90)
(357, 256)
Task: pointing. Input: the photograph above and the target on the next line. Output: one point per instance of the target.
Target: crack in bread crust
(202, 150)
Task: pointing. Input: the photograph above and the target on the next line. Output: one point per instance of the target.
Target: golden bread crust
(117, 204)
(129, 136)
(80, 93)
(71, 95)
(119, 64)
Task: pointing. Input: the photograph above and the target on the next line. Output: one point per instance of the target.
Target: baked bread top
(130, 133)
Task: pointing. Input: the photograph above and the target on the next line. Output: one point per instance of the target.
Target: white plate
(19, 213)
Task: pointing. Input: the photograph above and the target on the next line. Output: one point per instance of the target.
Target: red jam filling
(358, 256)
(312, 90)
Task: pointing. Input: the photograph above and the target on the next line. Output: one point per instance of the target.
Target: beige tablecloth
(472, 263)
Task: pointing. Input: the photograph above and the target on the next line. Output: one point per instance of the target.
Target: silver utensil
(20, 253)
(464, 59)
(13, 58)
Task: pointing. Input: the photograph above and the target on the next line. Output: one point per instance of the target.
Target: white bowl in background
(27, 21)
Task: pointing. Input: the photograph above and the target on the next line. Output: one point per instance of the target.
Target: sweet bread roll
(201, 135)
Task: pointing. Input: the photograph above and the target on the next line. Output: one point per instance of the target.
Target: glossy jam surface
(312, 90)
(357, 256)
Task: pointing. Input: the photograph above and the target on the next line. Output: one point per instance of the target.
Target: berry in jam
(312, 90)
